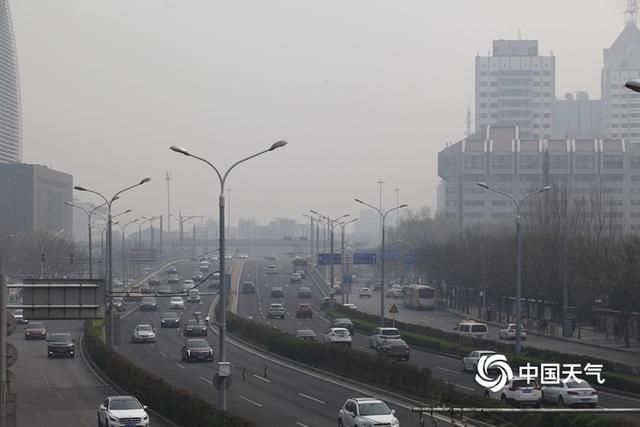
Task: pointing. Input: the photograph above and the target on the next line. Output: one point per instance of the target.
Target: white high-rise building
(516, 87)
(10, 119)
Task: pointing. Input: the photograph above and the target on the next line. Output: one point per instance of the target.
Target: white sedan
(571, 393)
(143, 333)
(509, 332)
(337, 336)
(176, 303)
(117, 411)
(470, 362)
(519, 392)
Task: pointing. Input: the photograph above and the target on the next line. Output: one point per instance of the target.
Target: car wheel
(560, 401)
(99, 421)
(464, 367)
(340, 424)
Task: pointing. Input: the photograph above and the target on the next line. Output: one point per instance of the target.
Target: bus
(299, 264)
(419, 297)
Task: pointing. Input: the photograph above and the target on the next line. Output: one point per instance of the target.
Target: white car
(393, 293)
(176, 303)
(188, 284)
(381, 334)
(193, 295)
(296, 278)
(518, 392)
(571, 393)
(119, 411)
(276, 310)
(365, 411)
(509, 332)
(351, 306)
(364, 292)
(143, 333)
(337, 336)
(470, 362)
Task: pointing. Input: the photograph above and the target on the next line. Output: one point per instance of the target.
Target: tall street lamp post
(89, 215)
(151, 223)
(109, 202)
(123, 228)
(383, 217)
(331, 223)
(312, 219)
(517, 204)
(42, 251)
(344, 254)
(223, 365)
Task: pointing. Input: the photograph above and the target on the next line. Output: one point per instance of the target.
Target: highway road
(255, 306)
(288, 395)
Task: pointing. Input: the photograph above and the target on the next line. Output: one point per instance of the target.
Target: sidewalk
(582, 335)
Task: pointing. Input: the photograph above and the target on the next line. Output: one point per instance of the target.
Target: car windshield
(176, 299)
(341, 331)
(478, 328)
(198, 344)
(117, 300)
(60, 338)
(120, 404)
(374, 408)
(390, 332)
(524, 383)
(35, 325)
(170, 315)
(148, 300)
(574, 384)
(145, 328)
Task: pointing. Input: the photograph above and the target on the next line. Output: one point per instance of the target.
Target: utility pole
(160, 249)
(168, 179)
(229, 212)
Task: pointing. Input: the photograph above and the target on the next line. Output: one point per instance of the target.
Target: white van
(204, 266)
(272, 269)
(469, 328)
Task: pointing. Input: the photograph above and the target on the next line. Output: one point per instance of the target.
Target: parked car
(148, 304)
(571, 393)
(170, 319)
(143, 333)
(509, 332)
(116, 411)
(248, 288)
(195, 327)
(306, 335)
(197, 349)
(296, 278)
(343, 323)
(518, 392)
(35, 331)
(277, 292)
(118, 304)
(304, 292)
(193, 295)
(365, 411)
(19, 316)
(470, 361)
(276, 310)
(382, 334)
(61, 344)
(176, 303)
(304, 310)
(337, 336)
(364, 293)
(394, 348)
(470, 328)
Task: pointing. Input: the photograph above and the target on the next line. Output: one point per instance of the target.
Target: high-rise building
(515, 86)
(577, 117)
(620, 106)
(10, 120)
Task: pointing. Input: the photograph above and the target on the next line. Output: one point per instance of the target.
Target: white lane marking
(298, 423)
(180, 366)
(253, 402)
(266, 380)
(206, 380)
(162, 354)
(85, 422)
(448, 370)
(306, 396)
(462, 386)
(152, 344)
(58, 393)
(46, 381)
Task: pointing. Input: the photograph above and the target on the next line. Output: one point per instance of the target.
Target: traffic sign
(393, 309)
(227, 281)
(364, 258)
(325, 259)
(11, 323)
(409, 259)
(12, 355)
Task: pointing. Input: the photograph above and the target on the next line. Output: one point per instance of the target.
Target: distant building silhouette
(10, 116)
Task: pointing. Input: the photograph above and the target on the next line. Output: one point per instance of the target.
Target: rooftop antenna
(467, 121)
(631, 13)
(519, 34)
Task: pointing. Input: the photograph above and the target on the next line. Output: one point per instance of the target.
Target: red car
(35, 331)
(304, 310)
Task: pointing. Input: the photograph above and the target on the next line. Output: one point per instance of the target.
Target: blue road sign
(364, 258)
(325, 259)
(227, 281)
(391, 254)
(409, 259)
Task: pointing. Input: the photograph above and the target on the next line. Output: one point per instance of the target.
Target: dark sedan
(35, 331)
(197, 349)
(148, 304)
(61, 344)
(394, 348)
(195, 328)
(170, 319)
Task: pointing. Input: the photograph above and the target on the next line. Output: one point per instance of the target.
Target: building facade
(515, 86)
(577, 117)
(606, 170)
(10, 119)
(32, 199)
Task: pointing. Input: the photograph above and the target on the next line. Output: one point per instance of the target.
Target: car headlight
(188, 352)
(395, 423)
(145, 418)
(112, 418)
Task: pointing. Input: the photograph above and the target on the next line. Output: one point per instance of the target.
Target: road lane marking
(180, 366)
(311, 398)
(298, 423)
(46, 381)
(85, 422)
(266, 380)
(253, 402)
(619, 396)
(206, 380)
(448, 370)
(462, 386)
(162, 354)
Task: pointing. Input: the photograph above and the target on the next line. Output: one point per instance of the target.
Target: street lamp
(42, 251)
(123, 228)
(383, 217)
(109, 202)
(223, 365)
(342, 251)
(151, 223)
(89, 215)
(633, 84)
(517, 204)
(330, 224)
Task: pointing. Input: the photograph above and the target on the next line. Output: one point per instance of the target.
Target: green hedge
(178, 405)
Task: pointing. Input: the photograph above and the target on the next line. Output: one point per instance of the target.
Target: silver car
(571, 393)
(143, 333)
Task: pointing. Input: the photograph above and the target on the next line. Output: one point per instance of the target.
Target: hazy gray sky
(362, 89)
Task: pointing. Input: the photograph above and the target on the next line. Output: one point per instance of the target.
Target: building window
(473, 162)
(501, 215)
(451, 190)
(451, 203)
(585, 161)
(612, 178)
(474, 202)
(451, 163)
(529, 161)
(558, 161)
(451, 215)
(635, 162)
(501, 203)
(585, 178)
(501, 162)
(474, 215)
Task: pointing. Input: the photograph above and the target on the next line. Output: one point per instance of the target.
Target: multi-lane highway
(286, 394)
